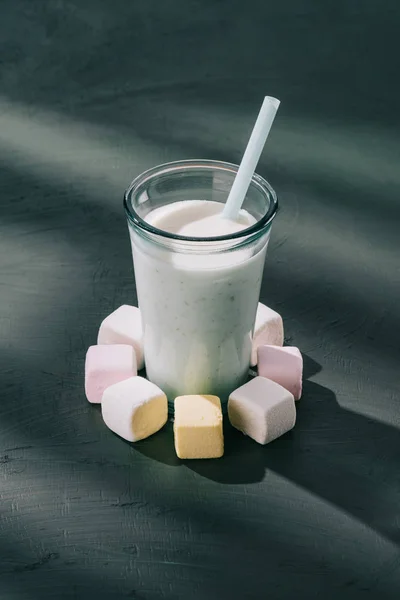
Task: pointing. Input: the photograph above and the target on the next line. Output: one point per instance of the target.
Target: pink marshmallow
(284, 365)
(106, 365)
(268, 329)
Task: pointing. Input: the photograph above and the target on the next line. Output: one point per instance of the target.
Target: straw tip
(274, 101)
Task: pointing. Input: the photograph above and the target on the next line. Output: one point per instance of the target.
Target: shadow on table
(159, 447)
(310, 366)
(239, 450)
(340, 456)
(244, 460)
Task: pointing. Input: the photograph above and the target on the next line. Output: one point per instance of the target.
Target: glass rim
(181, 165)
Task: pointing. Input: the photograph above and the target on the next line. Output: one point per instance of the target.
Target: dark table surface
(93, 92)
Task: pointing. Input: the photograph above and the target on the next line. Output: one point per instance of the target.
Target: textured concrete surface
(93, 92)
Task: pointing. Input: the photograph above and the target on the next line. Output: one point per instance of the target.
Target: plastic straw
(251, 157)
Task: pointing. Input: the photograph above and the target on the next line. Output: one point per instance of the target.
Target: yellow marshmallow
(198, 427)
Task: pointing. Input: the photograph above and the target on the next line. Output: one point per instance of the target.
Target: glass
(198, 296)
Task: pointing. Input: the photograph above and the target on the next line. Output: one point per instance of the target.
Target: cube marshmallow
(262, 409)
(268, 329)
(134, 408)
(282, 364)
(124, 326)
(106, 365)
(198, 427)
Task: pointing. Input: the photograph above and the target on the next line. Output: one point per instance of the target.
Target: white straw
(251, 157)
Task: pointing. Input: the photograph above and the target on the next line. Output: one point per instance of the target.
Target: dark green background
(92, 93)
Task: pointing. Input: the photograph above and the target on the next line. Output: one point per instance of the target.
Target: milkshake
(198, 278)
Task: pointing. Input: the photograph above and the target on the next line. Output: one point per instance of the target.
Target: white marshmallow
(268, 329)
(134, 408)
(262, 409)
(124, 326)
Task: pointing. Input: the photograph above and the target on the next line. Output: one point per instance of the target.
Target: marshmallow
(106, 365)
(124, 326)
(284, 365)
(134, 408)
(262, 409)
(268, 329)
(198, 427)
